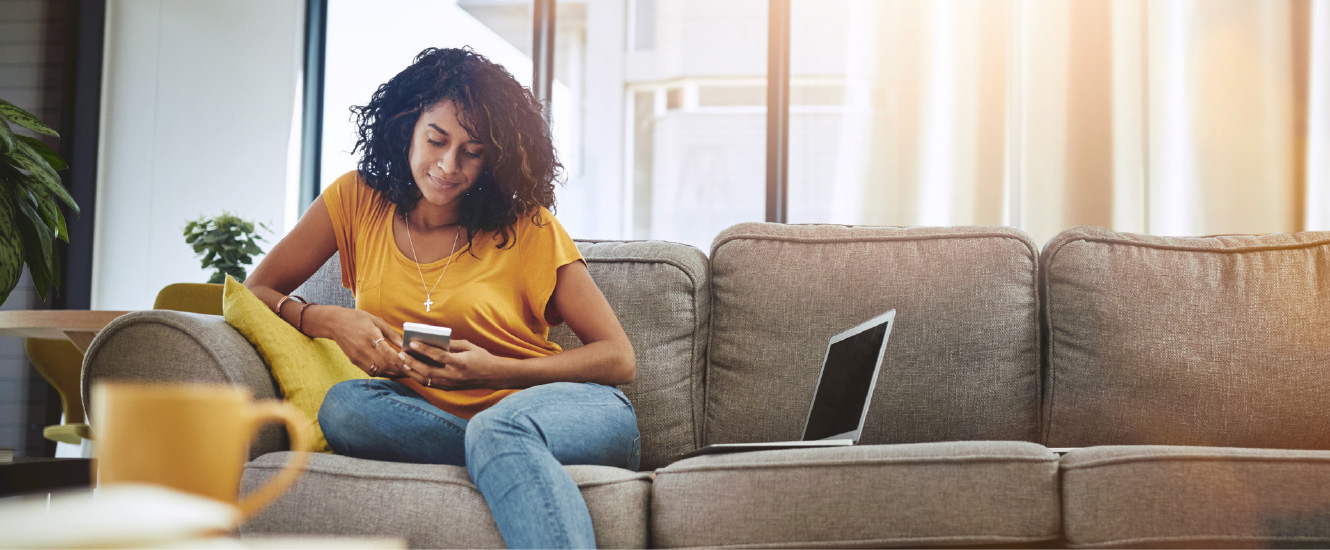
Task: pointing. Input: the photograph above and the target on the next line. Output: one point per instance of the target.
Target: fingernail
(415, 345)
(401, 356)
(404, 366)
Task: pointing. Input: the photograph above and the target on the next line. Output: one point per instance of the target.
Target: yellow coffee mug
(190, 437)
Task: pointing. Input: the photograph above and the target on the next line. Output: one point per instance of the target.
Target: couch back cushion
(659, 292)
(325, 286)
(963, 359)
(1216, 341)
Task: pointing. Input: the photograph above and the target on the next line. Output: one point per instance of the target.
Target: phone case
(439, 337)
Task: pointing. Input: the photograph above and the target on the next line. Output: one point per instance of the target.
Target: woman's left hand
(466, 366)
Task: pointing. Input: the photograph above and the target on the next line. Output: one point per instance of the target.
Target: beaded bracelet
(278, 309)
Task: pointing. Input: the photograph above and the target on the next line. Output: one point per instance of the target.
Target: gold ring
(376, 342)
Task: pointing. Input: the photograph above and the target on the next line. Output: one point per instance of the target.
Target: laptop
(844, 388)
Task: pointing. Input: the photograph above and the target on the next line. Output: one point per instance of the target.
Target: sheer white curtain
(1318, 119)
(1180, 117)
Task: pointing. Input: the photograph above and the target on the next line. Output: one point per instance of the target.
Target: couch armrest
(177, 347)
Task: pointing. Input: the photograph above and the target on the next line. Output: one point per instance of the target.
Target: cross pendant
(428, 302)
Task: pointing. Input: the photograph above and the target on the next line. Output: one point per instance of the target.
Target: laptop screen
(847, 377)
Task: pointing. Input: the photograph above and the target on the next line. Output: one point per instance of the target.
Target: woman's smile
(444, 184)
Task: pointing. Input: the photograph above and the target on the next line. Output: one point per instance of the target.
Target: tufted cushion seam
(982, 459)
(324, 470)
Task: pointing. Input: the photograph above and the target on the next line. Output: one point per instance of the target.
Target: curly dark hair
(520, 163)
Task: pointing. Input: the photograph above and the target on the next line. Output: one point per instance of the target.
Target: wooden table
(79, 326)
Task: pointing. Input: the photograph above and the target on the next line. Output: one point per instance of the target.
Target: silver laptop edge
(853, 436)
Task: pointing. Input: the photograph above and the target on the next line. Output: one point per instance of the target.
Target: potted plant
(30, 193)
(226, 243)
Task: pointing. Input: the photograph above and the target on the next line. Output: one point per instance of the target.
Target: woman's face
(445, 159)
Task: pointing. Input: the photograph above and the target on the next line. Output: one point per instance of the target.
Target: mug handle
(297, 427)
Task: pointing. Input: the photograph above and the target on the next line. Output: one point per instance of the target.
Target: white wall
(198, 103)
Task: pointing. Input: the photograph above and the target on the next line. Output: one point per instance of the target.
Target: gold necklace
(416, 260)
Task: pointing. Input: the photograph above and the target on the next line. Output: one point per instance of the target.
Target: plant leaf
(44, 175)
(50, 211)
(6, 137)
(38, 250)
(226, 242)
(25, 119)
(48, 231)
(44, 151)
(11, 244)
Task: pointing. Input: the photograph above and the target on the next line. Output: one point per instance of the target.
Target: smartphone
(439, 337)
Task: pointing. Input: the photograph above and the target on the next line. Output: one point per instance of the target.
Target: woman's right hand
(370, 342)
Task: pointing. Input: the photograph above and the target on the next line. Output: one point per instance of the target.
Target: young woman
(447, 222)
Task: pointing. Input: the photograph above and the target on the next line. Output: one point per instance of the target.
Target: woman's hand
(370, 342)
(466, 366)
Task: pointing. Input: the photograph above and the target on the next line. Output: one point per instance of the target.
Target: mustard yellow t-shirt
(494, 298)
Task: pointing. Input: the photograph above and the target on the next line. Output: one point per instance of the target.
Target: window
(664, 139)
(885, 103)
(644, 25)
(1037, 114)
(368, 43)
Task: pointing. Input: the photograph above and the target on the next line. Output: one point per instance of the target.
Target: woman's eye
(473, 155)
(435, 143)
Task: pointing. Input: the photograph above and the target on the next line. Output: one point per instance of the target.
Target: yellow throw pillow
(305, 368)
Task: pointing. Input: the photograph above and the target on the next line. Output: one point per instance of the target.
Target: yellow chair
(62, 364)
(192, 297)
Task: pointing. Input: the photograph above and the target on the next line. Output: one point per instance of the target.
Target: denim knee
(494, 426)
(340, 413)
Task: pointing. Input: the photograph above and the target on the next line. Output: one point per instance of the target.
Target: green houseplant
(226, 243)
(30, 193)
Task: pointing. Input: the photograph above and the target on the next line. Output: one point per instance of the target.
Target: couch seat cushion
(1199, 497)
(955, 493)
(432, 506)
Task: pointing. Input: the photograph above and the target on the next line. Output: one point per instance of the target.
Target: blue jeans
(514, 451)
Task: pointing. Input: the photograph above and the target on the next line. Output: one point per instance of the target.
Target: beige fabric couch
(1191, 370)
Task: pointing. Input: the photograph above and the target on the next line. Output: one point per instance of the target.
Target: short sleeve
(344, 202)
(545, 248)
